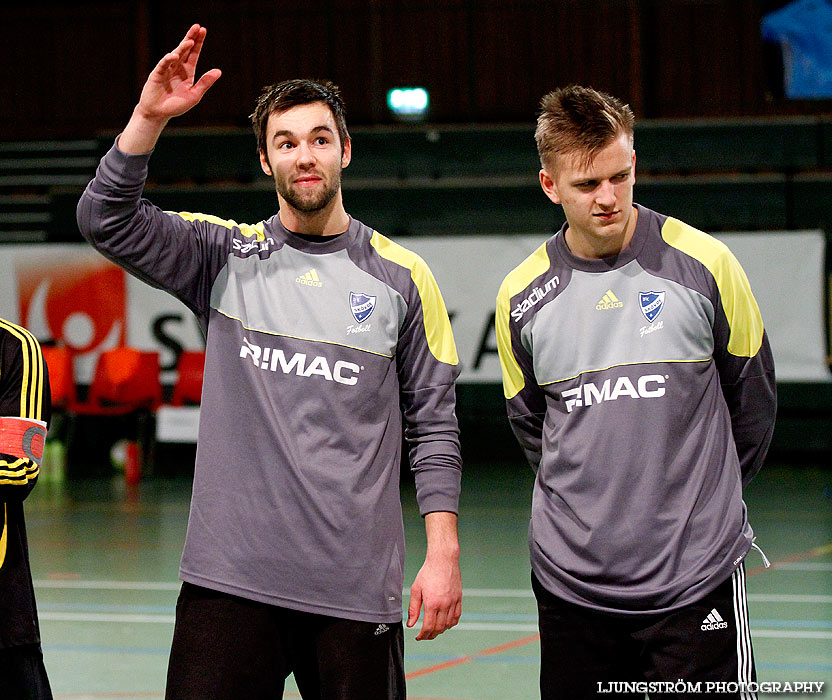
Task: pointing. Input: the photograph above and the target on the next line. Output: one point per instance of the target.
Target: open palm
(170, 89)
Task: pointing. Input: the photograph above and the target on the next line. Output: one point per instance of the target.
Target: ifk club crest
(651, 304)
(362, 306)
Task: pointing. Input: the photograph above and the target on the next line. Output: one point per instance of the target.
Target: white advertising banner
(70, 293)
(786, 271)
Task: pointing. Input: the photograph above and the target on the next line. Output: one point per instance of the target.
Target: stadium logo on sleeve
(651, 304)
(362, 306)
(537, 295)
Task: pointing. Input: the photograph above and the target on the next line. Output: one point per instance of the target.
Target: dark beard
(308, 206)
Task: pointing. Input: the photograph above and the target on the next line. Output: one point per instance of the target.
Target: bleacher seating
(29, 170)
(719, 175)
(783, 145)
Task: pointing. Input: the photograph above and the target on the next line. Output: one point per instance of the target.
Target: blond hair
(579, 121)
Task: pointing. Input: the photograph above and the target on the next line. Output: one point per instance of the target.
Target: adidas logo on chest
(609, 301)
(310, 279)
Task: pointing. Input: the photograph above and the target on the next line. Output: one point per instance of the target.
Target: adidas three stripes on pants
(590, 654)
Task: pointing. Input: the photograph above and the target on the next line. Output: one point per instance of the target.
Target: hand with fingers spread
(438, 585)
(170, 91)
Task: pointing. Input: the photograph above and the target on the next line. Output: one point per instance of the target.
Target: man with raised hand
(324, 340)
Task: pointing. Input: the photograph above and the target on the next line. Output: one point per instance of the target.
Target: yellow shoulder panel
(437, 325)
(744, 319)
(256, 231)
(31, 390)
(514, 283)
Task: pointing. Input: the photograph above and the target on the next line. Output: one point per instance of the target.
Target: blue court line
(466, 617)
(164, 651)
(409, 658)
(414, 658)
(793, 667)
(797, 624)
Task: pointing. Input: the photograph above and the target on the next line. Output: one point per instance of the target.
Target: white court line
(758, 597)
(530, 627)
(462, 626)
(469, 592)
(789, 634)
(109, 585)
(176, 585)
(106, 617)
(497, 592)
(789, 598)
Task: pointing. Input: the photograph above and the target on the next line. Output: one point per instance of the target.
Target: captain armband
(22, 437)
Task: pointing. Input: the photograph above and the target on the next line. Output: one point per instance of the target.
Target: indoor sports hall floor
(105, 564)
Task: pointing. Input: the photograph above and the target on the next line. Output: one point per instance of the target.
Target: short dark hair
(579, 120)
(291, 93)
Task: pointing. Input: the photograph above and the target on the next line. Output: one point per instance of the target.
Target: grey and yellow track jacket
(641, 389)
(319, 355)
(24, 393)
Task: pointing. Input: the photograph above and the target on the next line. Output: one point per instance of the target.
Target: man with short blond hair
(640, 385)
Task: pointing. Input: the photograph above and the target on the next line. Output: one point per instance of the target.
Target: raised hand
(170, 91)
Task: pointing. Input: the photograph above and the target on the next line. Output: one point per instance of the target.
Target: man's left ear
(346, 157)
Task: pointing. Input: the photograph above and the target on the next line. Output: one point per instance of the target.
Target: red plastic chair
(61, 379)
(188, 388)
(125, 380)
(123, 397)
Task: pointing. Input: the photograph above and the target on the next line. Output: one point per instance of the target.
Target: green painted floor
(105, 561)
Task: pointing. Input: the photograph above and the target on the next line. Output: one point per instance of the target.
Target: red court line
(412, 697)
(800, 556)
(471, 657)
(107, 696)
